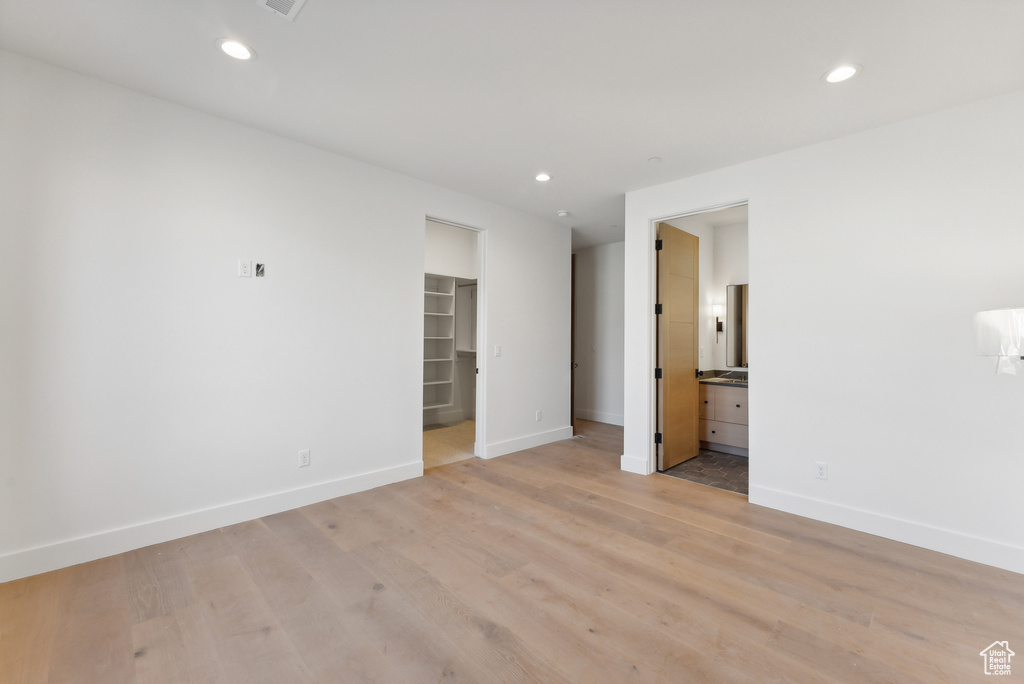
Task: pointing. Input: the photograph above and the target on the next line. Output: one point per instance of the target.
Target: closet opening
(451, 320)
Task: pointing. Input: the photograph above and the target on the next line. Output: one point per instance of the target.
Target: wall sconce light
(717, 309)
(1000, 333)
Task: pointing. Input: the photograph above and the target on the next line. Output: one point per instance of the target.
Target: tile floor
(714, 469)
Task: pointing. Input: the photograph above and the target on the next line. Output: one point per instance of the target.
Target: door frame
(652, 320)
(480, 438)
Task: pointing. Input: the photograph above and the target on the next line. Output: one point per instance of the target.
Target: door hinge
(657, 374)
(657, 438)
(657, 309)
(658, 244)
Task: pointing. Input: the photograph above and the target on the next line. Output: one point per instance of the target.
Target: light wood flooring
(548, 565)
(444, 444)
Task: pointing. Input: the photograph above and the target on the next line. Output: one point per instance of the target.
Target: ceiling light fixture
(842, 73)
(543, 177)
(654, 160)
(562, 212)
(236, 49)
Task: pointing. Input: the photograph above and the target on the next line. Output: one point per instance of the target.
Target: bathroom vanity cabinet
(723, 418)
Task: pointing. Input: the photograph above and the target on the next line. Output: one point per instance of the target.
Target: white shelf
(438, 341)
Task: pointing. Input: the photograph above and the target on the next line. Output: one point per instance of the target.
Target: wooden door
(678, 389)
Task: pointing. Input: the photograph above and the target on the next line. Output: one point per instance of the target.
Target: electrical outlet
(821, 470)
(304, 458)
(244, 269)
(540, 416)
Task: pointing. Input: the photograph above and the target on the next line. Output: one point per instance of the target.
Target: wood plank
(644, 502)
(560, 639)
(912, 658)
(667, 654)
(333, 648)
(249, 640)
(157, 584)
(576, 506)
(411, 644)
(92, 641)
(661, 592)
(493, 646)
(340, 573)
(28, 617)
(176, 647)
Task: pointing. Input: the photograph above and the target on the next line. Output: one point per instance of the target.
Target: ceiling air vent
(284, 8)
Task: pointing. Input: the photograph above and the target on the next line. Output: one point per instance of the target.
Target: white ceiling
(481, 95)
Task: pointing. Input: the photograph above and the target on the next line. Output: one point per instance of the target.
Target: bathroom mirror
(736, 326)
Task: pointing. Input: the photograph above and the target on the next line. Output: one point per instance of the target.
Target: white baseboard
(527, 442)
(445, 417)
(977, 549)
(634, 464)
(599, 417)
(108, 543)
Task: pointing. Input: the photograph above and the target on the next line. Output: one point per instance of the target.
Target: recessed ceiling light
(562, 212)
(236, 49)
(654, 160)
(842, 73)
(543, 177)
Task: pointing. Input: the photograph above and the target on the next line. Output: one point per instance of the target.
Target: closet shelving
(438, 341)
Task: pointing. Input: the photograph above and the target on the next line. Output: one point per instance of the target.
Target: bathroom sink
(729, 381)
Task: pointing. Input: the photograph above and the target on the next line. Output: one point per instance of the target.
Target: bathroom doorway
(723, 457)
(451, 321)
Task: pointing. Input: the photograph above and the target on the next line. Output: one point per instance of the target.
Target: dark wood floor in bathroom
(548, 565)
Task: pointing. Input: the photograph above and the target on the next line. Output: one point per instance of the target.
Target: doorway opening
(452, 380)
(721, 378)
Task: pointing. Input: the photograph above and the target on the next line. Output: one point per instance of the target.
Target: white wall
(599, 333)
(869, 256)
(148, 392)
(450, 251)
